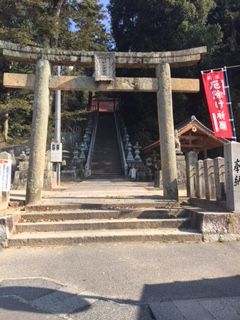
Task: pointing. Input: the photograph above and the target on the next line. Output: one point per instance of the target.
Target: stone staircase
(70, 224)
(106, 158)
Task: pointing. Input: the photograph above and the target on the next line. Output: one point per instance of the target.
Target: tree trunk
(5, 128)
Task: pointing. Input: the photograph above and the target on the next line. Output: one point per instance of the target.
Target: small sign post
(56, 152)
(5, 175)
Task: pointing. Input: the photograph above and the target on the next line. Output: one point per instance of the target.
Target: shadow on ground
(52, 301)
(55, 300)
(219, 298)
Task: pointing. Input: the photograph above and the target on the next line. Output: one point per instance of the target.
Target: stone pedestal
(39, 132)
(166, 132)
(232, 175)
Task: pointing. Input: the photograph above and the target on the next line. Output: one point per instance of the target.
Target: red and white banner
(217, 100)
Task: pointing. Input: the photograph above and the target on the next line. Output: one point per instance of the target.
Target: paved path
(100, 191)
(137, 281)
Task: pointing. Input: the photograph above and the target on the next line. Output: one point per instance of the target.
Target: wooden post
(39, 132)
(166, 132)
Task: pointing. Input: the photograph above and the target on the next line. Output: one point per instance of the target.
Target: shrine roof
(193, 135)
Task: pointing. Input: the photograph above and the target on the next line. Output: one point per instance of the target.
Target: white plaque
(56, 152)
(5, 175)
(104, 66)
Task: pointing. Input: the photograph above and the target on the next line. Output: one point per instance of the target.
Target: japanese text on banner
(217, 100)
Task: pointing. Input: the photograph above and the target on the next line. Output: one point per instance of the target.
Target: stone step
(106, 204)
(95, 224)
(70, 212)
(106, 157)
(106, 167)
(105, 175)
(77, 237)
(110, 166)
(107, 171)
(100, 214)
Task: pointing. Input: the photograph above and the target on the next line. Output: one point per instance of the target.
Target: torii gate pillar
(166, 132)
(39, 132)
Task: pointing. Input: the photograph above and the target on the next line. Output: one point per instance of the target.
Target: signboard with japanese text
(232, 175)
(104, 66)
(217, 100)
(5, 175)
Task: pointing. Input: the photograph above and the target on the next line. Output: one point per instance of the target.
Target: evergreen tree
(227, 15)
(162, 25)
(67, 24)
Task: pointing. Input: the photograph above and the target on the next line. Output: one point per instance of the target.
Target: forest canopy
(162, 25)
(136, 25)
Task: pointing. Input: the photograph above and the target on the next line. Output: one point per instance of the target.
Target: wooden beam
(30, 54)
(192, 145)
(69, 83)
(193, 137)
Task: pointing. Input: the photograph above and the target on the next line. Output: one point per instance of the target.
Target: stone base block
(218, 226)
(7, 226)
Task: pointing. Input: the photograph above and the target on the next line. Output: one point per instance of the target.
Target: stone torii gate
(105, 81)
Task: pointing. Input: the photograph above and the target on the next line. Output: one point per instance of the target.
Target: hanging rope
(217, 69)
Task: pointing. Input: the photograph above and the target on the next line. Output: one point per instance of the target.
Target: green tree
(162, 25)
(67, 24)
(227, 15)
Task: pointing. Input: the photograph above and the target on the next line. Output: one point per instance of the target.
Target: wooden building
(193, 136)
(104, 104)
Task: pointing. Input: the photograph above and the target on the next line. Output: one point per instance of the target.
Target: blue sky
(105, 3)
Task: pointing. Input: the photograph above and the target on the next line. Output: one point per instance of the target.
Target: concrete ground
(137, 281)
(126, 281)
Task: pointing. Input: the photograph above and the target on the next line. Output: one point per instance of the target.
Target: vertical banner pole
(227, 87)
